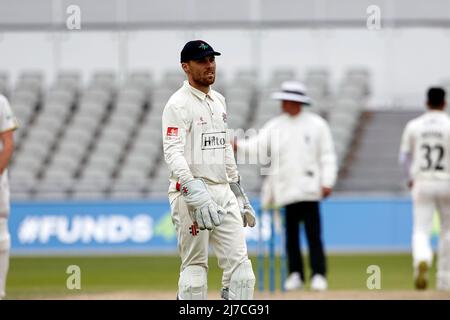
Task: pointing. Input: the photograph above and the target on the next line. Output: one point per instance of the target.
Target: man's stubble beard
(204, 81)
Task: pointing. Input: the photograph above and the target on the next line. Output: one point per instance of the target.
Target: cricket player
(208, 205)
(8, 124)
(424, 155)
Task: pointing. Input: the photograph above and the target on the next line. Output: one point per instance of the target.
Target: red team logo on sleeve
(172, 132)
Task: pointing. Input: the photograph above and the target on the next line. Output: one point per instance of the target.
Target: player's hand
(326, 192)
(206, 212)
(247, 212)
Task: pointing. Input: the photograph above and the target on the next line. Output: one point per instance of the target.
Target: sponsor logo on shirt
(213, 140)
(172, 132)
(193, 229)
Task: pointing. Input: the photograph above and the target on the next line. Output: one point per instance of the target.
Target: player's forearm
(178, 165)
(174, 157)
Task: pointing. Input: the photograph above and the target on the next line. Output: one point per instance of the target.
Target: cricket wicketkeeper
(207, 202)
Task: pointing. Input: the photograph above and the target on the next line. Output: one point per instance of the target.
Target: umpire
(303, 172)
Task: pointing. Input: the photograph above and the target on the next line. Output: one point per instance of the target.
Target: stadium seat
(105, 140)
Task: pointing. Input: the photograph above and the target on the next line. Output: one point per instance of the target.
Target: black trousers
(309, 213)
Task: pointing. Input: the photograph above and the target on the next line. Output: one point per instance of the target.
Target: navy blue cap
(197, 49)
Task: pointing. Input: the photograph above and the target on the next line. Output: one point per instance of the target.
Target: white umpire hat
(292, 91)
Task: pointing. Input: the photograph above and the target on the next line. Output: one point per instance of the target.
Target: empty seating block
(103, 139)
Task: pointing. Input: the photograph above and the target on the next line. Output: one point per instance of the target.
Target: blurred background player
(204, 190)
(304, 172)
(424, 155)
(7, 126)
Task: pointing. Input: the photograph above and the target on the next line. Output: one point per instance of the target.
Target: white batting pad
(193, 284)
(242, 284)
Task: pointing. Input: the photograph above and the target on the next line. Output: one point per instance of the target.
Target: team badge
(193, 229)
(172, 132)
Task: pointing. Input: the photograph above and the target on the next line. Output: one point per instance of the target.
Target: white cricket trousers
(5, 241)
(227, 240)
(429, 196)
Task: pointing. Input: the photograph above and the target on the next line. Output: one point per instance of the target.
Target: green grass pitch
(40, 277)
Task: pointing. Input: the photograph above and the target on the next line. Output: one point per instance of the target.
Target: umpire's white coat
(302, 155)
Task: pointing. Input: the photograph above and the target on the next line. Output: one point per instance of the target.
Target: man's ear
(185, 66)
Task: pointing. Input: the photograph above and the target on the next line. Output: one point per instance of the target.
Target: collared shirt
(195, 138)
(206, 97)
(426, 142)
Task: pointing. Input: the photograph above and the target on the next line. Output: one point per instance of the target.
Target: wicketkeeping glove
(206, 212)
(247, 211)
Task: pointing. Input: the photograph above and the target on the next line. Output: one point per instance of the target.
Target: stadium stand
(347, 107)
(102, 139)
(372, 165)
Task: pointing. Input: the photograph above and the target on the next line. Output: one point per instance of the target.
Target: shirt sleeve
(328, 161)
(175, 126)
(7, 119)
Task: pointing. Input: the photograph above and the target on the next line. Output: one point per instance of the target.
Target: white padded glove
(247, 211)
(206, 212)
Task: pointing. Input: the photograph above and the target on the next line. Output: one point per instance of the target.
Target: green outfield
(45, 277)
